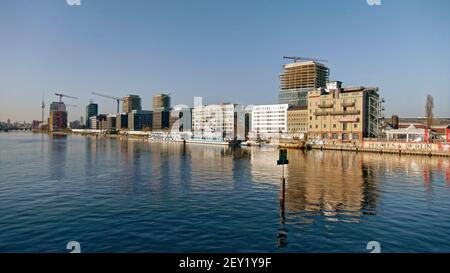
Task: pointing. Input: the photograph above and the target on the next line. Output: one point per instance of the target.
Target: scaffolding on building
(375, 115)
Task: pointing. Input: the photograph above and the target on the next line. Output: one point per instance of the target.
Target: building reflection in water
(58, 156)
(330, 186)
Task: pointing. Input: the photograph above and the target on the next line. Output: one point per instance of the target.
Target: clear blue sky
(223, 50)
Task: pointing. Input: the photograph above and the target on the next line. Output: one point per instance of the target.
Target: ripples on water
(135, 196)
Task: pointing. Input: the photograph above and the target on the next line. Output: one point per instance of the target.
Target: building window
(355, 136)
(334, 125)
(335, 136)
(317, 126)
(355, 125)
(324, 126)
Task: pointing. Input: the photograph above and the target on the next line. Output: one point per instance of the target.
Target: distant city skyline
(224, 51)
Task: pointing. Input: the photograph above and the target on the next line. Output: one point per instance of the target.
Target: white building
(93, 123)
(269, 121)
(224, 122)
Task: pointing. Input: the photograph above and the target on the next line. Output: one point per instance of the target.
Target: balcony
(349, 119)
(324, 104)
(348, 104)
(348, 112)
(321, 113)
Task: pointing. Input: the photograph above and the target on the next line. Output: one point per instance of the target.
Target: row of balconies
(336, 113)
(324, 104)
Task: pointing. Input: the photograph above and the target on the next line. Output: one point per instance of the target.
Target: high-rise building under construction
(58, 116)
(131, 102)
(298, 78)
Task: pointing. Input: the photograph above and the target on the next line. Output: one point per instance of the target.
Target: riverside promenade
(378, 146)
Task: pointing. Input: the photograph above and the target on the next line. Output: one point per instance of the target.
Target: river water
(115, 195)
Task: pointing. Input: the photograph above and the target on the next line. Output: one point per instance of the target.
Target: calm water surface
(135, 196)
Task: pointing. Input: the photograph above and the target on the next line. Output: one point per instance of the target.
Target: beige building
(297, 120)
(131, 102)
(161, 102)
(298, 78)
(344, 114)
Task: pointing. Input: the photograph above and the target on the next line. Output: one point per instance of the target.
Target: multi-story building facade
(161, 120)
(131, 102)
(161, 112)
(122, 121)
(161, 102)
(91, 111)
(93, 123)
(98, 122)
(298, 78)
(110, 124)
(269, 121)
(344, 114)
(180, 119)
(58, 116)
(224, 122)
(248, 120)
(297, 121)
(140, 120)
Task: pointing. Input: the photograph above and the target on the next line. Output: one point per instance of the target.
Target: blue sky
(225, 51)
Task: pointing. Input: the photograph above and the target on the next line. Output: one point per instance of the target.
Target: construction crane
(64, 95)
(118, 100)
(295, 59)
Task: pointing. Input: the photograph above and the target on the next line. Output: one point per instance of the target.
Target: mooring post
(282, 161)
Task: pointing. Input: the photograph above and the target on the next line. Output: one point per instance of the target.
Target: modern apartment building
(224, 122)
(93, 123)
(269, 121)
(140, 120)
(91, 111)
(122, 121)
(344, 114)
(297, 121)
(110, 124)
(298, 78)
(161, 102)
(161, 120)
(183, 115)
(131, 102)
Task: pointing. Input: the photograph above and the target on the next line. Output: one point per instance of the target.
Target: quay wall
(401, 148)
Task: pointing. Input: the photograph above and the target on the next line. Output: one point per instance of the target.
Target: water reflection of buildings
(58, 156)
(336, 185)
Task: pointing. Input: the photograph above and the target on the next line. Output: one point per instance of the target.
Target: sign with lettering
(282, 160)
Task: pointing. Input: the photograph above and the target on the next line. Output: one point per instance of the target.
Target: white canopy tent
(410, 134)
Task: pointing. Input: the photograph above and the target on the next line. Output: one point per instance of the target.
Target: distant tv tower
(43, 107)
